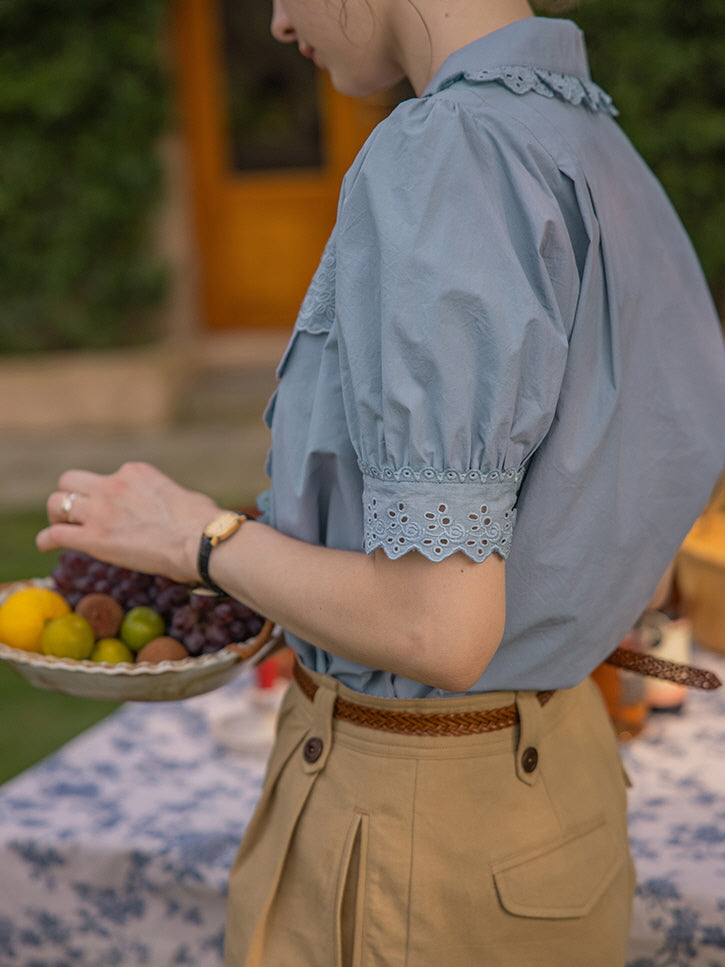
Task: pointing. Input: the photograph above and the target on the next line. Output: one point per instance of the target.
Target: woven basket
(700, 576)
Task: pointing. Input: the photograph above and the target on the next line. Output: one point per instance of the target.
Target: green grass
(19, 557)
(33, 723)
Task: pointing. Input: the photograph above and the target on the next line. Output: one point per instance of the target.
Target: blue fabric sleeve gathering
(456, 287)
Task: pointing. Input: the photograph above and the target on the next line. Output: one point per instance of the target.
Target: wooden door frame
(196, 42)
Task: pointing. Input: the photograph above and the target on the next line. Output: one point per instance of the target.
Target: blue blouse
(508, 347)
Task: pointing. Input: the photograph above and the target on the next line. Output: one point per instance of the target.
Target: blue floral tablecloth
(114, 852)
(677, 832)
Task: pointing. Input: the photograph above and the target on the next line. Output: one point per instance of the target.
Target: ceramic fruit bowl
(141, 681)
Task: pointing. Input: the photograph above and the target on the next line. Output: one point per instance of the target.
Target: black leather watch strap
(226, 523)
(202, 563)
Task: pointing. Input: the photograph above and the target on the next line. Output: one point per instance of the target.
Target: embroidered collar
(546, 56)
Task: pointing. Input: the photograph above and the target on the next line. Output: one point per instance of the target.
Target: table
(677, 832)
(114, 851)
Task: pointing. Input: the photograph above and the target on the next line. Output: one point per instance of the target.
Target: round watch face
(223, 525)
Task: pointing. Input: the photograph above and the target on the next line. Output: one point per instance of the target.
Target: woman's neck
(429, 31)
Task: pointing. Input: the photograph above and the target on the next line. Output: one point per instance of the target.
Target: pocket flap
(562, 878)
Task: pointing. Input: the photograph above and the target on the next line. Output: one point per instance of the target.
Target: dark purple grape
(138, 600)
(124, 589)
(216, 637)
(73, 563)
(194, 640)
(184, 619)
(254, 625)
(209, 649)
(168, 599)
(62, 581)
(97, 570)
(180, 595)
(238, 631)
(85, 584)
(224, 613)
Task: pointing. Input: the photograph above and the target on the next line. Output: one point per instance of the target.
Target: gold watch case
(223, 526)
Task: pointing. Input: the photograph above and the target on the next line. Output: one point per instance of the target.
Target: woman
(497, 417)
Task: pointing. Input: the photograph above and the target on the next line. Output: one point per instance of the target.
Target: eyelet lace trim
(317, 312)
(567, 87)
(397, 528)
(430, 475)
(476, 519)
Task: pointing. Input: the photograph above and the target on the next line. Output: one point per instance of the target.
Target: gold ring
(66, 507)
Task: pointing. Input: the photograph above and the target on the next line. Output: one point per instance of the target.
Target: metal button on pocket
(312, 749)
(529, 759)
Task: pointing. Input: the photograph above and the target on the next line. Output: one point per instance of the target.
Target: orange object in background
(631, 697)
(276, 668)
(625, 692)
(266, 673)
(625, 699)
(701, 579)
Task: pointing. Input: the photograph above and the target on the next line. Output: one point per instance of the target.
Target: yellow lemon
(24, 613)
(70, 636)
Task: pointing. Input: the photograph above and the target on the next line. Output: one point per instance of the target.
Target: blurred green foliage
(663, 63)
(83, 102)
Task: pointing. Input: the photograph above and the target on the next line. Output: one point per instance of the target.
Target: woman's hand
(437, 622)
(136, 518)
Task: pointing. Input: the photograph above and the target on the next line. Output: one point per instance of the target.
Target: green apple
(139, 626)
(111, 650)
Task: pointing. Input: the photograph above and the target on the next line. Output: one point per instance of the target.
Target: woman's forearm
(435, 622)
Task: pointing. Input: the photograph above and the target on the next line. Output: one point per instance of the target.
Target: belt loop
(527, 749)
(318, 742)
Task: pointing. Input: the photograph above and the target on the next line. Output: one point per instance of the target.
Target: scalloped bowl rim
(225, 656)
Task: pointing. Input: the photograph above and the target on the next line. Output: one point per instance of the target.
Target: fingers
(68, 508)
(77, 488)
(56, 536)
(136, 517)
(65, 507)
(80, 481)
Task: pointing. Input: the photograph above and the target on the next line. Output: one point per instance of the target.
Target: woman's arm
(434, 622)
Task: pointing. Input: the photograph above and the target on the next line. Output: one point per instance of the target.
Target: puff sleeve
(456, 286)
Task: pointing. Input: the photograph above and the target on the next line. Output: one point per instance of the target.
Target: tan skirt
(370, 848)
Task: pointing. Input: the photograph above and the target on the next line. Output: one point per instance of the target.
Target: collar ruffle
(523, 80)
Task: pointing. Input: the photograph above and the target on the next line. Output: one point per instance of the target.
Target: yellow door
(268, 142)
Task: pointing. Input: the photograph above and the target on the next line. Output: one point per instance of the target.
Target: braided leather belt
(417, 723)
(491, 720)
(669, 671)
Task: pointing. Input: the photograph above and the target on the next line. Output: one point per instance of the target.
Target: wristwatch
(217, 530)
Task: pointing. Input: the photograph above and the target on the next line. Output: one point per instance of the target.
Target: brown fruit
(162, 649)
(103, 612)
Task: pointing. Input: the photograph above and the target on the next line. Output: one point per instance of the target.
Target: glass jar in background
(673, 643)
(625, 692)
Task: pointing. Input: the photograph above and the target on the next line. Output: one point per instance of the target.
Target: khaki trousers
(370, 849)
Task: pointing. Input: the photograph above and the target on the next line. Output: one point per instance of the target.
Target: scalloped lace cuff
(439, 513)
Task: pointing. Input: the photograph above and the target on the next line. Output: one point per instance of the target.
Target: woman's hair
(554, 6)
